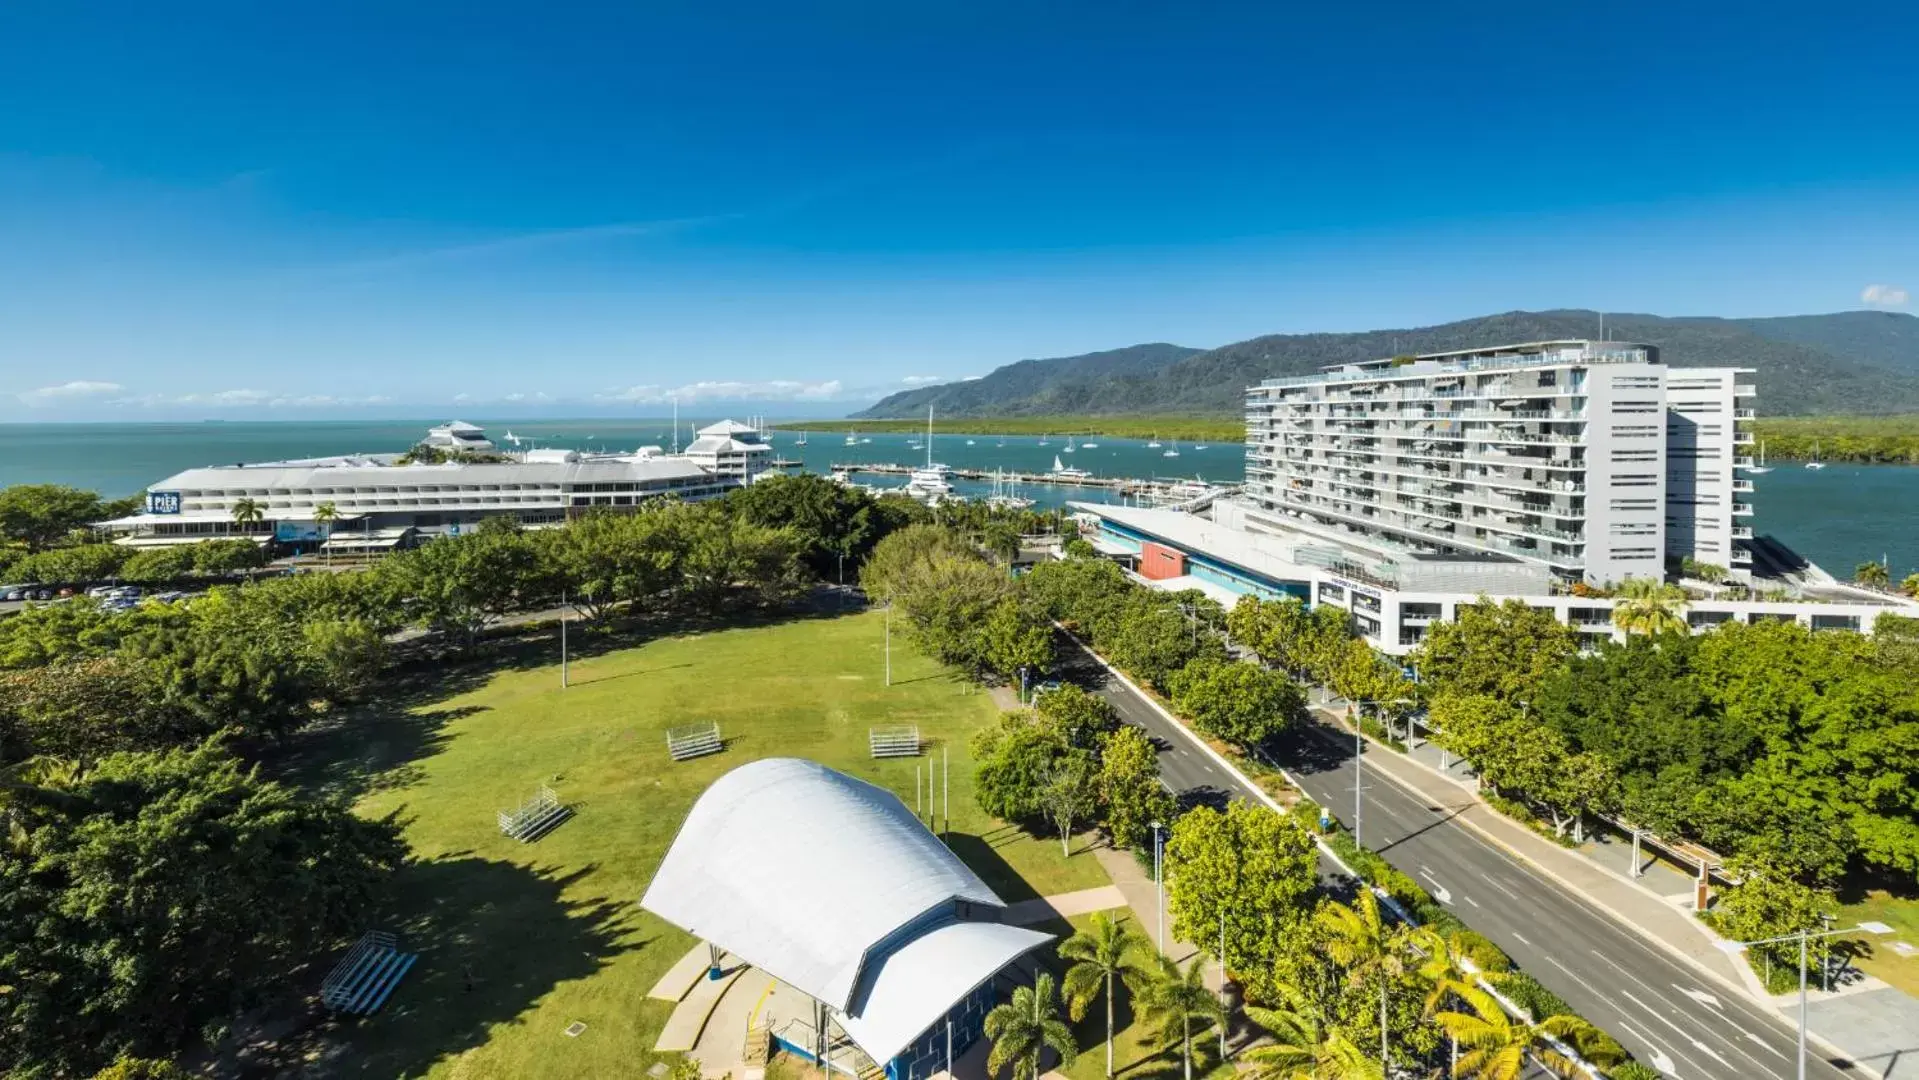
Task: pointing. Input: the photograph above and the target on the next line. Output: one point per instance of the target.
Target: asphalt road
(1660, 1009)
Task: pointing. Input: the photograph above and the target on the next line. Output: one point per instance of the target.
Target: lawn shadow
(981, 853)
(493, 938)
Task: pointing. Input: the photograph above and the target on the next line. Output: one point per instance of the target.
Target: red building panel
(1159, 562)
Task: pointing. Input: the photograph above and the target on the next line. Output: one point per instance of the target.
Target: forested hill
(1858, 362)
(1032, 383)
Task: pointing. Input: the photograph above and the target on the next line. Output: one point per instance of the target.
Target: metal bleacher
(899, 741)
(694, 740)
(361, 982)
(535, 817)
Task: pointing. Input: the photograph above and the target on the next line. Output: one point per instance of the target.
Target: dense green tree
(1768, 902)
(228, 556)
(1357, 673)
(1024, 1027)
(153, 894)
(1078, 592)
(727, 562)
(79, 564)
(39, 515)
(1013, 639)
(1252, 867)
(462, 584)
(347, 655)
(835, 525)
(1506, 650)
(901, 559)
(1130, 792)
(1151, 639)
(1304, 642)
(157, 565)
(1078, 547)
(86, 707)
(132, 1068)
(1084, 720)
(1241, 703)
(1013, 763)
(1101, 956)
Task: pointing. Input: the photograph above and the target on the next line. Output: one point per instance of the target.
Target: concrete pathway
(1065, 905)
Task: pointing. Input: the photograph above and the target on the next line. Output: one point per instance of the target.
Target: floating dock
(1120, 484)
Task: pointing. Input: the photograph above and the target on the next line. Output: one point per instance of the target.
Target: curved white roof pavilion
(831, 885)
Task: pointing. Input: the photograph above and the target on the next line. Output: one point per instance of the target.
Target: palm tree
(1102, 952)
(1024, 1028)
(1167, 995)
(1498, 1046)
(247, 512)
(1302, 1048)
(1367, 946)
(324, 515)
(1648, 606)
(1445, 971)
(1910, 586)
(1872, 575)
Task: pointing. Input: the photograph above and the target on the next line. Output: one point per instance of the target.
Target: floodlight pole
(946, 792)
(1804, 936)
(563, 622)
(1222, 982)
(889, 643)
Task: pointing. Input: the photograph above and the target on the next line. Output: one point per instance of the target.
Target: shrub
(1635, 1070)
(1525, 992)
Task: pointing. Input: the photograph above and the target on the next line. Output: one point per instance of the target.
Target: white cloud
(771, 390)
(248, 399)
(1884, 296)
(971, 378)
(923, 380)
(79, 388)
(462, 397)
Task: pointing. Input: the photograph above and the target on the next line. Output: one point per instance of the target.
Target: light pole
(1803, 937)
(563, 621)
(889, 643)
(1222, 982)
(1159, 885)
(1359, 749)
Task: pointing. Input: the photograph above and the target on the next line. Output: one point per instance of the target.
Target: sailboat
(852, 439)
(1062, 471)
(1762, 467)
(1815, 463)
(1089, 446)
(801, 441)
(1173, 450)
(930, 482)
(969, 442)
(1042, 440)
(1199, 448)
(1069, 444)
(1154, 444)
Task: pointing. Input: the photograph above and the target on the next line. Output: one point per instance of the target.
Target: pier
(1120, 484)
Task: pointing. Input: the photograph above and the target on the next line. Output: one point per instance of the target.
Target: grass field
(518, 941)
(1900, 913)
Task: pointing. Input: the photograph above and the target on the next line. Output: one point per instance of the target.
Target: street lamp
(1359, 749)
(1159, 885)
(1802, 937)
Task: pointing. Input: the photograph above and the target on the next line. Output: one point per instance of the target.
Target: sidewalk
(1874, 1024)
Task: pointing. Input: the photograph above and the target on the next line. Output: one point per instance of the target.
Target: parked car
(101, 592)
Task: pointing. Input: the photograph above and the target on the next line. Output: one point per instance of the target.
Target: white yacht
(931, 481)
(1005, 494)
(1153, 444)
(1089, 446)
(852, 439)
(1815, 463)
(1173, 450)
(1069, 444)
(458, 435)
(1762, 467)
(801, 441)
(1064, 472)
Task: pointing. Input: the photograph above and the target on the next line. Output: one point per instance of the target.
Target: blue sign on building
(163, 502)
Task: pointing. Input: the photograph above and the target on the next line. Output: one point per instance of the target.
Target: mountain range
(1845, 363)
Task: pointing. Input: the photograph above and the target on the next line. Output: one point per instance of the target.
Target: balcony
(1740, 509)
(1742, 438)
(1742, 485)
(1741, 532)
(1743, 414)
(1744, 390)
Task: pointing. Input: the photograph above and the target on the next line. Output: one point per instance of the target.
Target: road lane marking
(1697, 1045)
(1658, 1057)
(1471, 901)
(1700, 996)
(1494, 882)
(1656, 992)
(1439, 891)
(1522, 940)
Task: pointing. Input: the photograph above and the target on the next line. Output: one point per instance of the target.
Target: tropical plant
(1304, 1048)
(1872, 575)
(1103, 952)
(1025, 1027)
(1168, 996)
(1647, 606)
(1360, 940)
(247, 512)
(1497, 1047)
(1910, 585)
(324, 515)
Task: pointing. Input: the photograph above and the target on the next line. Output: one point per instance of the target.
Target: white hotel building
(1403, 487)
(380, 504)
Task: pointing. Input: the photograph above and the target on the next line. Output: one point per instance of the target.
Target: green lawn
(518, 941)
(1900, 913)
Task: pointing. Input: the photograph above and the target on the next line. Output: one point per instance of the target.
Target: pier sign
(163, 502)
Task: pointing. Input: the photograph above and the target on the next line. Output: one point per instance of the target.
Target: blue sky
(347, 208)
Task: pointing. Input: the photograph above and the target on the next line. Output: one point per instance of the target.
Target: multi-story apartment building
(1588, 459)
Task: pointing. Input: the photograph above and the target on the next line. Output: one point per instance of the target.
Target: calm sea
(1838, 516)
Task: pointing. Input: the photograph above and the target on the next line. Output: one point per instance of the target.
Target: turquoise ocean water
(1838, 516)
